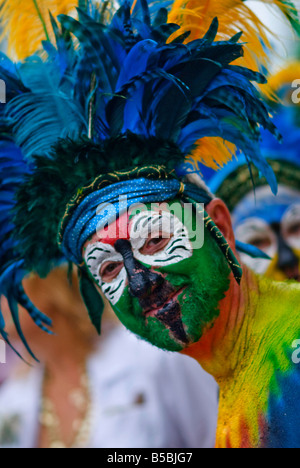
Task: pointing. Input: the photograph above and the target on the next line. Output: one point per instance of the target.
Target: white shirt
(142, 397)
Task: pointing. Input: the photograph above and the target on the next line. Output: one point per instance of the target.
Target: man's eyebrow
(143, 219)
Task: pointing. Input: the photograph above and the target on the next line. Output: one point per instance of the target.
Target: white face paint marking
(167, 225)
(142, 226)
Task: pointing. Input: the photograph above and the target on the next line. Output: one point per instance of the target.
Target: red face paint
(119, 229)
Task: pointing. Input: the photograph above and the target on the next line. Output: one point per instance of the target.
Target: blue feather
(44, 114)
(146, 12)
(13, 305)
(38, 317)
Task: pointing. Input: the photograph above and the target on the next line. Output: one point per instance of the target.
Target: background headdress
(109, 96)
(232, 183)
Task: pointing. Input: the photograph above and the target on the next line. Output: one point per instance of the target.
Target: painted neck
(222, 347)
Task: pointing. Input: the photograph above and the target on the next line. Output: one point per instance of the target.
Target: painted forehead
(136, 227)
(264, 205)
(138, 217)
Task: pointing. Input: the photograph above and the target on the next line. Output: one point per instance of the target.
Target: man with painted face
(114, 193)
(185, 299)
(271, 223)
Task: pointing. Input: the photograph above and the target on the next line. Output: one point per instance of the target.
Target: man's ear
(220, 215)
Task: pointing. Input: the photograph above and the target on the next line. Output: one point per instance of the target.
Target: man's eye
(154, 245)
(110, 270)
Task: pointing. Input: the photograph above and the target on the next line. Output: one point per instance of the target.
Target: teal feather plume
(105, 97)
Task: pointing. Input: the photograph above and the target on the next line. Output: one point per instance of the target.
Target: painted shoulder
(284, 297)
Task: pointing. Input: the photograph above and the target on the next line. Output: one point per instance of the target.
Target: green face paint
(184, 284)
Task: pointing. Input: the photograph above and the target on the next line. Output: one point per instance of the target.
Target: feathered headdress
(111, 98)
(232, 182)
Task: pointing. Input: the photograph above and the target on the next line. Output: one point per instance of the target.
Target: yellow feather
(23, 23)
(212, 152)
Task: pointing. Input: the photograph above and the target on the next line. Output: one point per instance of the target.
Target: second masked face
(273, 225)
(159, 286)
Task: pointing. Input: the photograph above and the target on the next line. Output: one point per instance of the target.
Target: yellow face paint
(274, 272)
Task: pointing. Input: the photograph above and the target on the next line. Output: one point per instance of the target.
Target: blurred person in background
(88, 392)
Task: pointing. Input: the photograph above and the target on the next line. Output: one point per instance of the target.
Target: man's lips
(156, 310)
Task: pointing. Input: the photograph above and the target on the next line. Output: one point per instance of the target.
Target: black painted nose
(142, 281)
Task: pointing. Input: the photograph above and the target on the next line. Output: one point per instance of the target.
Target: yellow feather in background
(234, 16)
(212, 152)
(26, 23)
